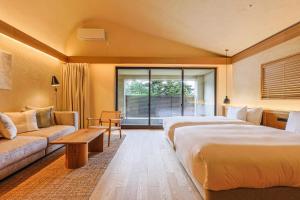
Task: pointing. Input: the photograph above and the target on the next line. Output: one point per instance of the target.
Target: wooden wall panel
(149, 60)
(16, 34)
(283, 36)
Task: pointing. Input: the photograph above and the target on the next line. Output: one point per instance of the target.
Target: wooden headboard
(275, 119)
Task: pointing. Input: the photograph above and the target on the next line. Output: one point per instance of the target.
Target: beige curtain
(75, 90)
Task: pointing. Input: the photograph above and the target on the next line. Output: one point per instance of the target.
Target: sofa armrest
(66, 118)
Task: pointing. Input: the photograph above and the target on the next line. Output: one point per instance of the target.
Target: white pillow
(254, 115)
(293, 123)
(24, 121)
(237, 113)
(7, 128)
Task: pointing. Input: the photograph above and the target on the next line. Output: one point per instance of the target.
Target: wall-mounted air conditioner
(91, 34)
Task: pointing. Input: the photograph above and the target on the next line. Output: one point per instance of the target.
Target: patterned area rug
(49, 179)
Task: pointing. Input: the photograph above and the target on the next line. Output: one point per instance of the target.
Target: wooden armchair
(111, 120)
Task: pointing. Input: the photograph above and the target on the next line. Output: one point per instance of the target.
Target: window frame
(182, 68)
(284, 60)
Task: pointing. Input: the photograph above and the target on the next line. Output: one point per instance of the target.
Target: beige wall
(31, 74)
(102, 85)
(123, 41)
(246, 78)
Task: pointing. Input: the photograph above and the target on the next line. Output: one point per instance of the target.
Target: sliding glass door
(199, 92)
(147, 95)
(133, 96)
(165, 95)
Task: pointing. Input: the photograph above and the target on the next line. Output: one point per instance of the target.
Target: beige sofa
(31, 146)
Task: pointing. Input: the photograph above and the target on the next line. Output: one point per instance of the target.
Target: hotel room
(109, 100)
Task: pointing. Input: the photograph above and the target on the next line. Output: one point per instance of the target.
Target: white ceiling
(207, 24)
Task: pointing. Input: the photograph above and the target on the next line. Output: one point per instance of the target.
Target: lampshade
(226, 100)
(54, 81)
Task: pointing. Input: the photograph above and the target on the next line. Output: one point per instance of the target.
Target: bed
(235, 115)
(232, 161)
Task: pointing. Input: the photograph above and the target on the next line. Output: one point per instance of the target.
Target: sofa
(30, 146)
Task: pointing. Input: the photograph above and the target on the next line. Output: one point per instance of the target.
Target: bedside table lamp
(55, 84)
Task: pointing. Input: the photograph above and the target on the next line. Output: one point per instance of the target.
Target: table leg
(76, 155)
(96, 145)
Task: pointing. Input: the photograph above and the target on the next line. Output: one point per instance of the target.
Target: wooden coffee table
(79, 143)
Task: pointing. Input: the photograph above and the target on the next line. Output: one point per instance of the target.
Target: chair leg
(120, 133)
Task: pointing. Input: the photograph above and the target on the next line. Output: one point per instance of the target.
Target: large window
(147, 95)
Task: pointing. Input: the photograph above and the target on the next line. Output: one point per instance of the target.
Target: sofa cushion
(24, 121)
(14, 150)
(52, 132)
(44, 116)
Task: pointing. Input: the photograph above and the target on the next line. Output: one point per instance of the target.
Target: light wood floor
(145, 167)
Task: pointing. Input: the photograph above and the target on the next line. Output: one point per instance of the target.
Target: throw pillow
(24, 121)
(7, 128)
(44, 116)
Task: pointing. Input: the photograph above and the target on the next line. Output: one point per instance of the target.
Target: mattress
(171, 123)
(225, 157)
(271, 193)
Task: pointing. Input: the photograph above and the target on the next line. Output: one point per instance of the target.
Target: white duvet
(228, 156)
(172, 123)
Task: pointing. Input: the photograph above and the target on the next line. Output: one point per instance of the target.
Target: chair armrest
(111, 121)
(115, 120)
(66, 118)
(90, 118)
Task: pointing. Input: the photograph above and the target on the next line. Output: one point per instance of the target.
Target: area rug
(49, 179)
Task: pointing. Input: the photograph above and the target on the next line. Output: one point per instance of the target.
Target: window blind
(281, 78)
